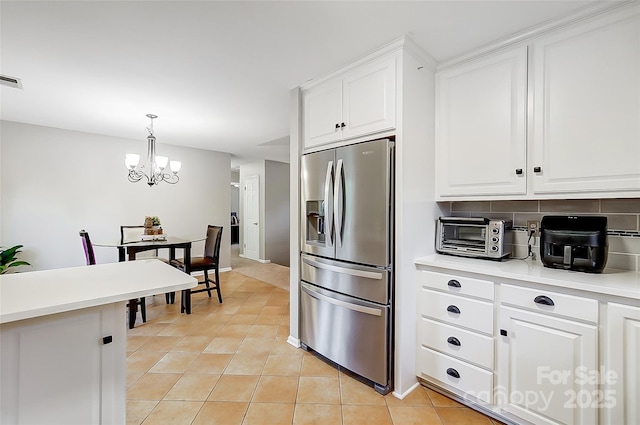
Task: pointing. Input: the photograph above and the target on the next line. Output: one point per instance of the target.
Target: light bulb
(131, 160)
(161, 162)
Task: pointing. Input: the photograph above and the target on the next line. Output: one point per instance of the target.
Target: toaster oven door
(457, 237)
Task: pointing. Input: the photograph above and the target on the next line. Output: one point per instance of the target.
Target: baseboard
(294, 341)
(406, 393)
(258, 260)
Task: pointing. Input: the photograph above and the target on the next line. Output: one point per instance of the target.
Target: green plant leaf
(8, 258)
(9, 253)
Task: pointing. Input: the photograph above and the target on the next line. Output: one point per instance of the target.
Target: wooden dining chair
(91, 260)
(88, 248)
(210, 261)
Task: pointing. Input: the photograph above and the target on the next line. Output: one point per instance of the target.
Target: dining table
(127, 252)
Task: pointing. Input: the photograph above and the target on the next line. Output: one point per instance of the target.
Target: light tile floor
(230, 364)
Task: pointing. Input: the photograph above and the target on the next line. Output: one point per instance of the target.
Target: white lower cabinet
(471, 380)
(526, 354)
(66, 368)
(541, 363)
(455, 334)
(621, 377)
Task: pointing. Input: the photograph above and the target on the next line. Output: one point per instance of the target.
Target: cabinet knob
(342, 125)
(452, 372)
(543, 299)
(454, 283)
(337, 126)
(453, 341)
(537, 169)
(519, 171)
(453, 309)
(503, 332)
(107, 340)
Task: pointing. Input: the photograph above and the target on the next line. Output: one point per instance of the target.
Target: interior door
(252, 218)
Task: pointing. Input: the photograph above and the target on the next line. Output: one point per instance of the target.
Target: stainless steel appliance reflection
(346, 306)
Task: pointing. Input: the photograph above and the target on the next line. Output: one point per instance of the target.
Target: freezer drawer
(368, 283)
(350, 332)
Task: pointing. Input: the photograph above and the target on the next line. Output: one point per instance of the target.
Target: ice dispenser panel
(315, 222)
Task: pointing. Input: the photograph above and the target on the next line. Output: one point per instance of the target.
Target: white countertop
(39, 293)
(614, 282)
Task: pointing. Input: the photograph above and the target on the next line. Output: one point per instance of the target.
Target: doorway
(251, 219)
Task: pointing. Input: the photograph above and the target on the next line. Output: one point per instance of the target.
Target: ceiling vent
(14, 82)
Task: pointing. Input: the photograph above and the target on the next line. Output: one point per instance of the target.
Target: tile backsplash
(623, 222)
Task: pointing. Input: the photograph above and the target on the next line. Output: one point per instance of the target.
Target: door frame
(257, 202)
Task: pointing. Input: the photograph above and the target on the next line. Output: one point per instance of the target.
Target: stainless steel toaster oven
(477, 237)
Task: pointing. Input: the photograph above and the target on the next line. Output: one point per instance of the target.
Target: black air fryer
(574, 242)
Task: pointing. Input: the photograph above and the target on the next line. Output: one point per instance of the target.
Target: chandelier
(154, 168)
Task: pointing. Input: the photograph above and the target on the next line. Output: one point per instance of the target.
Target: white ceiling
(218, 74)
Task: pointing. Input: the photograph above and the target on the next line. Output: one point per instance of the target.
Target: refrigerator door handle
(340, 303)
(344, 270)
(329, 212)
(337, 202)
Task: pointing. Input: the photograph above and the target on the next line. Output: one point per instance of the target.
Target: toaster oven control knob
(495, 230)
(495, 239)
(494, 248)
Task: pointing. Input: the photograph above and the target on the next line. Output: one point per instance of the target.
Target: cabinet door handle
(543, 299)
(453, 309)
(519, 171)
(342, 125)
(107, 340)
(452, 372)
(537, 169)
(453, 341)
(337, 126)
(454, 283)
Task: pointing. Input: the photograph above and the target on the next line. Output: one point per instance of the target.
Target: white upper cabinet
(586, 121)
(558, 121)
(481, 126)
(359, 102)
(322, 113)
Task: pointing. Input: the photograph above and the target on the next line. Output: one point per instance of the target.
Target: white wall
(276, 201)
(55, 182)
(274, 209)
(415, 207)
(295, 148)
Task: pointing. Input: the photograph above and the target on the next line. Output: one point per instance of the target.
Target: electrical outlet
(533, 226)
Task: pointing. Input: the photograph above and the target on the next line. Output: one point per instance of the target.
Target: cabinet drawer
(540, 300)
(456, 342)
(457, 284)
(457, 310)
(471, 379)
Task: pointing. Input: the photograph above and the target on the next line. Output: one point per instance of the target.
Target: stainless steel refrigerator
(346, 287)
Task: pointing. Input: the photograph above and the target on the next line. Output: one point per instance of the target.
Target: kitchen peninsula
(63, 339)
